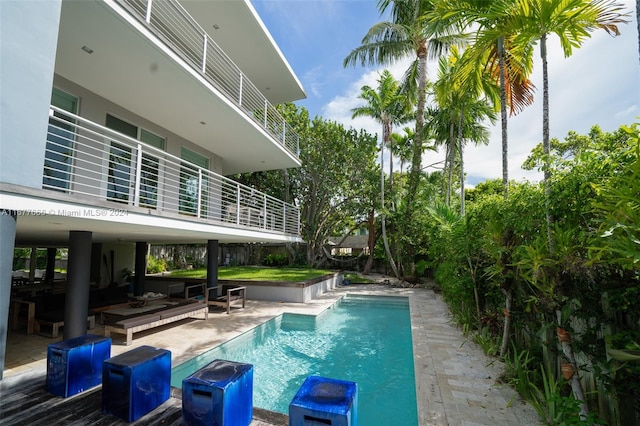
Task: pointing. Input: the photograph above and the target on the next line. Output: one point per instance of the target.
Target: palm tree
(442, 129)
(460, 107)
(401, 146)
(472, 129)
(492, 53)
(406, 34)
(388, 107)
(447, 97)
(572, 21)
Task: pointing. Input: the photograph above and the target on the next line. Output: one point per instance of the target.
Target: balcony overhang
(135, 71)
(46, 221)
(239, 31)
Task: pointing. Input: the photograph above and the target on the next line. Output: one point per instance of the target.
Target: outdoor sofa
(187, 307)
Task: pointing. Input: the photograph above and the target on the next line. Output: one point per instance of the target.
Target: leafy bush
(155, 266)
(520, 374)
(275, 259)
(486, 339)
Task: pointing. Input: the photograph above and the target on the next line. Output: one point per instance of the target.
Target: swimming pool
(365, 339)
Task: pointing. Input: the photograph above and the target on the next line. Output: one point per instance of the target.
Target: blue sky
(598, 84)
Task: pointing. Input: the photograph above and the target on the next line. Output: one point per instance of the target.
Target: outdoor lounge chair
(230, 295)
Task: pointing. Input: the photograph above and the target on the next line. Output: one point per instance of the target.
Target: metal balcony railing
(83, 157)
(169, 21)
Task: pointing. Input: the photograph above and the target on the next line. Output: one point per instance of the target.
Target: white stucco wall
(28, 39)
(95, 108)
(302, 294)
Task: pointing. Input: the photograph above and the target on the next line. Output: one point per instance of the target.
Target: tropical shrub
(276, 259)
(500, 263)
(156, 265)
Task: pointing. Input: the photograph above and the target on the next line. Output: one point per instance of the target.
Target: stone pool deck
(456, 383)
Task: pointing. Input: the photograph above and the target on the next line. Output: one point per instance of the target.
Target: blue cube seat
(75, 365)
(219, 394)
(324, 401)
(136, 382)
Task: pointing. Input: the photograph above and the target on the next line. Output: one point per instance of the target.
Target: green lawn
(356, 278)
(255, 273)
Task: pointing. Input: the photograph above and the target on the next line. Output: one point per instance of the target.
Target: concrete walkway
(456, 383)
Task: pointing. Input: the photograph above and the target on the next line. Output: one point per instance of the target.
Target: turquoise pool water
(362, 339)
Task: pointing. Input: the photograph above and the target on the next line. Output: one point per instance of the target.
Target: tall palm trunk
(567, 349)
(461, 152)
(416, 159)
(387, 129)
(382, 215)
(449, 161)
(638, 22)
(372, 240)
(503, 116)
(445, 174)
(545, 141)
(392, 262)
(506, 329)
(388, 142)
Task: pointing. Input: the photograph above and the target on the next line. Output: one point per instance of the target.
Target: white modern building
(119, 122)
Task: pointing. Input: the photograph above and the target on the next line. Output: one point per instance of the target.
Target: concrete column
(76, 306)
(212, 263)
(96, 264)
(141, 268)
(51, 264)
(33, 263)
(7, 244)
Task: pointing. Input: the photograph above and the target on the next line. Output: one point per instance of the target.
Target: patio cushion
(138, 320)
(181, 309)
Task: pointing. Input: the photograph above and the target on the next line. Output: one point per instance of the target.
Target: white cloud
(313, 81)
(626, 113)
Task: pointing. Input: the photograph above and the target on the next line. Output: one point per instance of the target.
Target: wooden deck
(24, 400)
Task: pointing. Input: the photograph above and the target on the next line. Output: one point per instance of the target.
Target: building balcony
(156, 60)
(169, 21)
(87, 160)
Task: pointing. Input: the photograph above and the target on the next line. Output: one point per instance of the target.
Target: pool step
(375, 301)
